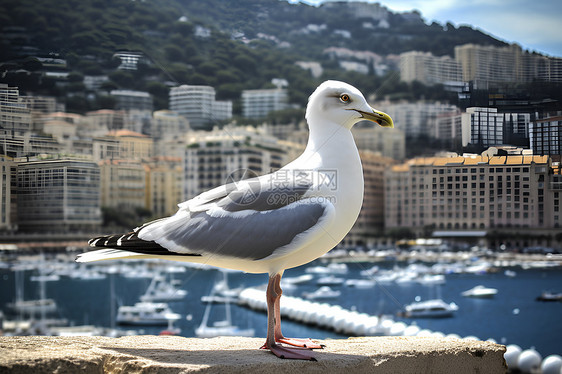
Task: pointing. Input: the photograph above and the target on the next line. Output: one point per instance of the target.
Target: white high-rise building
(390, 143)
(417, 118)
(258, 103)
(15, 116)
(482, 64)
(429, 69)
(447, 127)
(198, 105)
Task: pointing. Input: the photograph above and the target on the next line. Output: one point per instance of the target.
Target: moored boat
(550, 296)
(145, 313)
(480, 291)
(435, 308)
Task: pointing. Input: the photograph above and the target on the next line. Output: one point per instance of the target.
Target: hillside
(231, 45)
(371, 27)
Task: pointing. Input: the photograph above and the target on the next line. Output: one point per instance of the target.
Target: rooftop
(471, 161)
(126, 133)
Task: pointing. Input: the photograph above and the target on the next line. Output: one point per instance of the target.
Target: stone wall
(168, 354)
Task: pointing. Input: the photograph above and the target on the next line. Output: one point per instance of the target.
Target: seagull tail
(126, 246)
(107, 254)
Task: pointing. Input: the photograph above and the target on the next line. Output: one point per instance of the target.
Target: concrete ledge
(167, 354)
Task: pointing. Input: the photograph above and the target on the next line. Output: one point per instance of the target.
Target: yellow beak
(379, 117)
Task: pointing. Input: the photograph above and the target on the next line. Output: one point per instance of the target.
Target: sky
(536, 25)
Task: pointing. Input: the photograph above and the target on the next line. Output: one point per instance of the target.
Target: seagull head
(343, 104)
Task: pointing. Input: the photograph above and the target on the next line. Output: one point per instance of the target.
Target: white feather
(106, 254)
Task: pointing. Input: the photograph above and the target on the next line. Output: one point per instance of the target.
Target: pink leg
(303, 343)
(273, 295)
(274, 325)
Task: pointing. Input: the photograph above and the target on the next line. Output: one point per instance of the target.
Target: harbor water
(513, 316)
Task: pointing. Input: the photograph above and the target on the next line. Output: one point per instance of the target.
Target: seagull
(273, 222)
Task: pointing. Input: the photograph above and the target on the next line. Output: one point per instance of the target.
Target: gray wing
(248, 222)
(261, 196)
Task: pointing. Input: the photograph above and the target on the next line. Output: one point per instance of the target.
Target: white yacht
(361, 283)
(431, 279)
(435, 308)
(297, 280)
(45, 278)
(324, 292)
(34, 307)
(223, 327)
(161, 290)
(330, 280)
(480, 291)
(146, 313)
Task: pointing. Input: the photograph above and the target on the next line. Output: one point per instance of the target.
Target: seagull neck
(327, 137)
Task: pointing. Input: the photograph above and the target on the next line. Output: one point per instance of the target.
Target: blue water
(512, 317)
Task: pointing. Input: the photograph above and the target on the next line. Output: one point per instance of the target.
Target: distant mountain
(231, 45)
(354, 25)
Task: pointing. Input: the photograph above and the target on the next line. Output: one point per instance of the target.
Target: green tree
(173, 52)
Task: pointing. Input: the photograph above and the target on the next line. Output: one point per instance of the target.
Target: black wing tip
(92, 242)
(109, 241)
(132, 243)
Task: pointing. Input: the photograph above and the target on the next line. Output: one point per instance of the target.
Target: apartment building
(213, 158)
(164, 176)
(27, 144)
(7, 206)
(428, 69)
(416, 119)
(104, 120)
(390, 143)
(486, 127)
(447, 127)
(138, 120)
(15, 115)
(122, 145)
(370, 222)
(58, 195)
(258, 103)
(471, 193)
(42, 104)
(167, 124)
(482, 64)
(154, 184)
(122, 183)
(129, 99)
(63, 132)
(488, 63)
(82, 123)
(546, 136)
(198, 105)
(130, 60)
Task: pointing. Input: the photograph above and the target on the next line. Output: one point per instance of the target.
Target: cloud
(531, 23)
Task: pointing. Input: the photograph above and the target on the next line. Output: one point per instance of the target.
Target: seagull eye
(344, 98)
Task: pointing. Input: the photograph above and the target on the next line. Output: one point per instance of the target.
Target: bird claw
(292, 353)
(302, 343)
